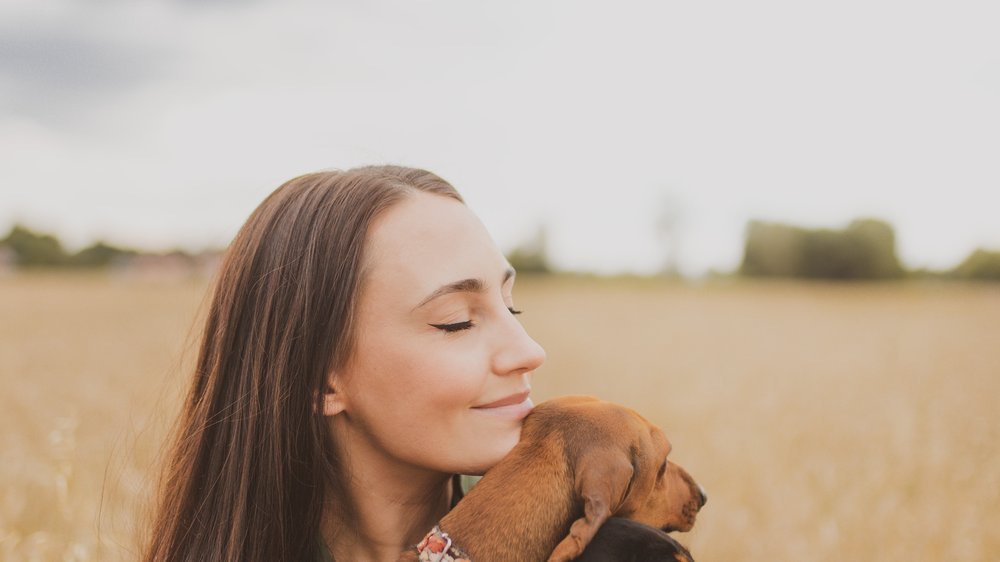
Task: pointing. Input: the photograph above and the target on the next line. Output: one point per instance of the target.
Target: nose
(703, 496)
(515, 351)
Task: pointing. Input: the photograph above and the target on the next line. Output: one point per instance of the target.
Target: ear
(333, 402)
(602, 479)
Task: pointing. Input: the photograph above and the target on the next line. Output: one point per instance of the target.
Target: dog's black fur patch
(622, 540)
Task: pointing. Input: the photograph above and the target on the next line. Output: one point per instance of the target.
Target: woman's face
(439, 377)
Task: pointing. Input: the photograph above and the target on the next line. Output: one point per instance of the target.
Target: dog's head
(619, 464)
(668, 499)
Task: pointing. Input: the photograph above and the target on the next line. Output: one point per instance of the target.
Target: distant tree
(827, 254)
(874, 247)
(772, 250)
(36, 250)
(531, 256)
(99, 254)
(866, 249)
(982, 265)
(668, 222)
(32, 249)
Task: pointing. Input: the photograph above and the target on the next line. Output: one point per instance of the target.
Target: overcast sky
(164, 123)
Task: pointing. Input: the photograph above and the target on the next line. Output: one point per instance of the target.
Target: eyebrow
(463, 286)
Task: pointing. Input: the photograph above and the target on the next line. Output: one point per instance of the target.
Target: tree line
(864, 250)
(30, 249)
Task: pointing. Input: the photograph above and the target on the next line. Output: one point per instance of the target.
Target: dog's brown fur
(580, 460)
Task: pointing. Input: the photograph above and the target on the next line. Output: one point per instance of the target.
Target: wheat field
(826, 422)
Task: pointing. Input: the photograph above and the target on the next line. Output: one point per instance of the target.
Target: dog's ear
(602, 479)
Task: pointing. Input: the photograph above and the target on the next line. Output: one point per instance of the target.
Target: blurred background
(769, 227)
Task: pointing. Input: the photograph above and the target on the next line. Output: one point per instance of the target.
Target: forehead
(427, 240)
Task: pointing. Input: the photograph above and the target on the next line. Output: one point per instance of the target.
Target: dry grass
(90, 368)
(826, 422)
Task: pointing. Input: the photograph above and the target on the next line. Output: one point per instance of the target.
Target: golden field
(826, 422)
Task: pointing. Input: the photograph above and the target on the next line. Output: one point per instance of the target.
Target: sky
(161, 124)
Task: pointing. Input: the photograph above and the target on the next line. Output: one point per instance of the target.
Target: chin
(500, 447)
(504, 446)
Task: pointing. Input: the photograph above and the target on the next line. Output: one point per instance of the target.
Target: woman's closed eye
(459, 326)
(456, 327)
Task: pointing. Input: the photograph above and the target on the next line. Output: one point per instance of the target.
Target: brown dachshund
(580, 460)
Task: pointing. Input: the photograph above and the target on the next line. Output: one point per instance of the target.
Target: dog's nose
(704, 496)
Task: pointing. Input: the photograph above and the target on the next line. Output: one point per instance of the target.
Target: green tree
(772, 250)
(981, 265)
(99, 254)
(873, 243)
(531, 256)
(866, 249)
(32, 249)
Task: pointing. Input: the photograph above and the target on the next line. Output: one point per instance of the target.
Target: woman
(360, 351)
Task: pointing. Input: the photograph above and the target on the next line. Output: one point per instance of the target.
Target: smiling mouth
(515, 406)
(512, 400)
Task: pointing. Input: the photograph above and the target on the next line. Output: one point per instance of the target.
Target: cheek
(414, 401)
(419, 378)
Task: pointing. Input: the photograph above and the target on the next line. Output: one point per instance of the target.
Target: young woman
(360, 351)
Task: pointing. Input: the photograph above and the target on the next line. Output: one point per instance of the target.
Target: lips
(510, 400)
(513, 408)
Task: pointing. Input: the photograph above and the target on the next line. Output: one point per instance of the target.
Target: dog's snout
(703, 495)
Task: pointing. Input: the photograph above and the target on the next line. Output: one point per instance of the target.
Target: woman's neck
(394, 504)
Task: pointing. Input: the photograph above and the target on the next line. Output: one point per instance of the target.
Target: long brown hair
(251, 466)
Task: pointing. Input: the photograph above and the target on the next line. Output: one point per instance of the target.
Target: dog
(580, 461)
(624, 540)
